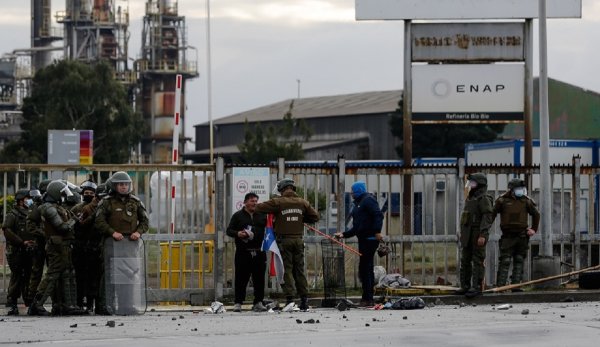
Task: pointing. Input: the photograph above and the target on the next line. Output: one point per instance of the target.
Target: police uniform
(87, 256)
(291, 212)
(18, 255)
(58, 228)
(514, 242)
(475, 222)
(125, 214)
(35, 228)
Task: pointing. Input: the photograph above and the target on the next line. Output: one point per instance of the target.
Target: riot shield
(125, 276)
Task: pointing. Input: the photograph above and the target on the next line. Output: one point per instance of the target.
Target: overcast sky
(261, 48)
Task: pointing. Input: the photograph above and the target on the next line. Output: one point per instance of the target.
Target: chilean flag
(269, 244)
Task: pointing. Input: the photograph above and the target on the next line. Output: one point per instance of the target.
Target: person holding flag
(291, 212)
(247, 227)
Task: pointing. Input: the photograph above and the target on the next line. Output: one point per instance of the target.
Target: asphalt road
(546, 324)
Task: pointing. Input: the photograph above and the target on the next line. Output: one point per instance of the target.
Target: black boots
(37, 310)
(13, 311)
(303, 304)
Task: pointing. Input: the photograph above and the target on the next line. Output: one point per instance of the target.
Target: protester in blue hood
(367, 221)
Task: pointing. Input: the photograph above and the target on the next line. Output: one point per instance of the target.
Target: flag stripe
(269, 244)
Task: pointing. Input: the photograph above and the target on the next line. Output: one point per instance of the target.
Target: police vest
(122, 214)
(513, 215)
(51, 230)
(19, 225)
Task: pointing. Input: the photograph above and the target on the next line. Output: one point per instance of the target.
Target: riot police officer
(475, 223)
(121, 217)
(36, 228)
(58, 228)
(87, 247)
(18, 251)
(514, 208)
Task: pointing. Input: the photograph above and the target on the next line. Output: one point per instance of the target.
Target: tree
(263, 144)
(442, 140)
(71, 95)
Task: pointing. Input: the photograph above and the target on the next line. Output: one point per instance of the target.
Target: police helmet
(73, 199)
(284, 183)
(515, 183)
(101, 190)
(88, 185)
(478, 177)
(120, 177)
(21, 194)
(43, 186)
(55, 191)
(35, 194)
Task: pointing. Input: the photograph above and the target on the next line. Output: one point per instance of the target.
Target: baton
(333, 239)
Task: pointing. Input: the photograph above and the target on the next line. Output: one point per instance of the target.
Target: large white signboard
(454, 93)
(468, 41)
(463, 9)
(250, 179)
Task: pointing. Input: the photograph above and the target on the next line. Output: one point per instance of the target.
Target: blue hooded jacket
(367, 218)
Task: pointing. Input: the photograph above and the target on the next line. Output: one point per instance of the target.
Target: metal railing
(197, 259)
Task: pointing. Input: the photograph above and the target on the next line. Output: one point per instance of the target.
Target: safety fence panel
(421, 205)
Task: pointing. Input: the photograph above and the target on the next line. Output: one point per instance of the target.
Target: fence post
(280, 168)
(575, 205)
(219, 227)
(341, 196)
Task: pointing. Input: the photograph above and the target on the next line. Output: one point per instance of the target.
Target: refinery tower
(95, 30)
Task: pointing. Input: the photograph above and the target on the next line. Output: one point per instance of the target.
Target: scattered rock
(405, 317)
(367, 324)
(121, 324)
(341, 306)
(569, 299)
(73, 325)
(195, 329)
(93, 324)
(152, 310)
(309, 321)
(562, 316)
(298, 321)
(525, 311)
(317, 321)
(181, 317)
(504, 307)
(344, 316)
(173, 318)
(110, 323)
(438, 302)
(462, 304)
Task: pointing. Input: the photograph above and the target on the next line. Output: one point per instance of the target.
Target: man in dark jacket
(291, 212)
(247, 227)
(367, 221)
